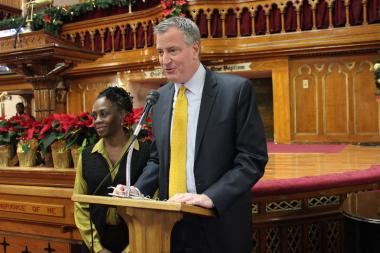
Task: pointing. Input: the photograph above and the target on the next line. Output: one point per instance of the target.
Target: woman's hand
(122, 190)
(104, 250)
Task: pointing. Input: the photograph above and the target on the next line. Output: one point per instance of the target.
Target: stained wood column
(45, 95)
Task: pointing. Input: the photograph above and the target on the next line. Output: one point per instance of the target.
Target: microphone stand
(19, 29)
(130, 150)
(128, 168)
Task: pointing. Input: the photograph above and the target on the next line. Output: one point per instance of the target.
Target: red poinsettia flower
(73, 129)
(47, 18)
(85, 120)
(129, 119)
(181, 2)
(4, 125)
(166, 4)
(146, 129)
(167, 12)
(137, 114)
(24, 126)
(172, 8)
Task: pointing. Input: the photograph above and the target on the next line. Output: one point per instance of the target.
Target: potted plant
(146, 129)
(82, 134)
(7, 142)
(26, 129)
(52, 138)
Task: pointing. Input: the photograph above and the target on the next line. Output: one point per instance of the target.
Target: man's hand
(193, 199)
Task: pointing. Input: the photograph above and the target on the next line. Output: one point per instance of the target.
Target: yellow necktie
(177, 172)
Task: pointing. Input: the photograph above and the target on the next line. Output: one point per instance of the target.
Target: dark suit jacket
(230, 156)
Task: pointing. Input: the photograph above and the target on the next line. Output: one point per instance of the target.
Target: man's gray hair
(187, 26)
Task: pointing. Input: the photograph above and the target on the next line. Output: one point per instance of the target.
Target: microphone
(151, 99)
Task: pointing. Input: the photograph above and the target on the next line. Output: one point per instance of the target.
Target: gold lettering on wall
(232, 67)
(31, 208)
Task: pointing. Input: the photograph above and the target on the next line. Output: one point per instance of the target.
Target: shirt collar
(100, 148)
(195, 84)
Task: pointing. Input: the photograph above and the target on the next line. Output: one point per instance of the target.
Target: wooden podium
(42, 59)
(150, 222)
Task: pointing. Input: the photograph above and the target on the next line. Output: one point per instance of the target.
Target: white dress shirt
(194, 90)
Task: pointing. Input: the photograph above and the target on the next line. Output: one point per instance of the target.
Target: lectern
(42, 59)
(149, 222)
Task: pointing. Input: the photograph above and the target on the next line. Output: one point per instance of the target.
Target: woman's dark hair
(119, 97)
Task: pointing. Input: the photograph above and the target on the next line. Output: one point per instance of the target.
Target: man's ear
(197, 49)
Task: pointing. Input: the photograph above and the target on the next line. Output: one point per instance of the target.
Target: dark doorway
(264, 97)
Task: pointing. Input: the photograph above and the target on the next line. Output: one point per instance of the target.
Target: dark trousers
(115, 239)
(188, 236)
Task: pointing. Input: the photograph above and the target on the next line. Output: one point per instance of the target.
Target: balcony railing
(224, 19)
(11, 3)
(9, 8)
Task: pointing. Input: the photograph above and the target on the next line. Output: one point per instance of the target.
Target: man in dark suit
(225, 147)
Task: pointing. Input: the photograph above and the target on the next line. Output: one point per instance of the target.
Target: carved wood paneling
(335, 100)
(338, 102)
(363, 109)
(305, 101)
(83, 91)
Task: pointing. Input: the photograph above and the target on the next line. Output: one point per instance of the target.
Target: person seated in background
(20, 109)
(103, 165)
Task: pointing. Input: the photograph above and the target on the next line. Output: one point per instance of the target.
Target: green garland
(52, 18)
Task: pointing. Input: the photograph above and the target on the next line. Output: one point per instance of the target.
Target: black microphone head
(152, 97)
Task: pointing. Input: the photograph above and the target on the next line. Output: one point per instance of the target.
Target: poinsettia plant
(55, 127)
(131, 120)
(75, 130)
(172, 8)
(83, 132)
(6, 136)
(25, 128)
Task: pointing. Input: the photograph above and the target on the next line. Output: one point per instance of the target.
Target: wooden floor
(294, 165)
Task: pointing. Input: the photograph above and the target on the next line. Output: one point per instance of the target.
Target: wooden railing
(115, 33)
(265, 17)
(224, 19)
(8, 10)
(11, 3)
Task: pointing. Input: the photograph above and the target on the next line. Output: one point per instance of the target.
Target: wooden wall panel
(339, 102)
(365, 108)
(279, 67)
(305, 101)
(17, 244)
(335, 100)
(83, 91)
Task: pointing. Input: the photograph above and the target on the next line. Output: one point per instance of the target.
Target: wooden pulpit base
(149, 222)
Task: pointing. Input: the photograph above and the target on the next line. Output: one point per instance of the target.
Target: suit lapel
(165, 125)
(208, 98)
